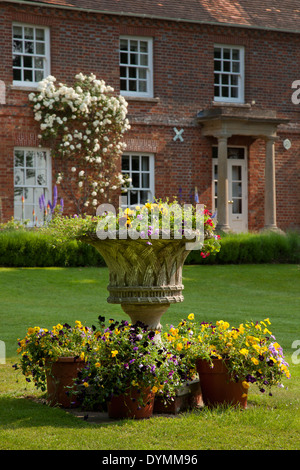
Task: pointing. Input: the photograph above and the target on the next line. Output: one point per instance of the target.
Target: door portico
(225, 122)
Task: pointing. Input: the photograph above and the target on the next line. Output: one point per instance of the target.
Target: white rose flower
(80, 184)
(81, 173)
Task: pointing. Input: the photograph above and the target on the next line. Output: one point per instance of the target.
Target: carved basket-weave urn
(144, 278)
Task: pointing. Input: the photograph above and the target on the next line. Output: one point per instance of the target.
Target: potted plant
(52, 359)
(144, 249)
(230, 359)
(186, 392)
(128, 367)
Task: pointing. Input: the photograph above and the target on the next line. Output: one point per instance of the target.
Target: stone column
(270, 185)
(222, 184)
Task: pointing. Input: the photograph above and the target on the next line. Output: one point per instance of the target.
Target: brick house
(209, 87)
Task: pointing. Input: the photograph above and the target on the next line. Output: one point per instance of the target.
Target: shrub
(248, 248)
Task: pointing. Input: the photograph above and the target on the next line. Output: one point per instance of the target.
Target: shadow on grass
(32, 412)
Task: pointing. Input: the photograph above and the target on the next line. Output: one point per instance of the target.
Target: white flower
(81, 173)
(80, 184)
(94, 193)
(73, 169)
(95, 202)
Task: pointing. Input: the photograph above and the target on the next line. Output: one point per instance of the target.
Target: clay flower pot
(60, 376)
(217, 387)
(129, 405)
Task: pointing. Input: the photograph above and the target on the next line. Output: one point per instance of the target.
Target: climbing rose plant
(84, 127)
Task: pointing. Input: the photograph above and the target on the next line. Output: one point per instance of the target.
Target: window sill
(141, 99)
(23, 87)
(231, 104)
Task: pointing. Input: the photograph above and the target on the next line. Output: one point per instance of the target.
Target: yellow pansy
(114, 353)
(245, 384)
(154, 389)
(244, 351)
(191, 316)
(255, 361)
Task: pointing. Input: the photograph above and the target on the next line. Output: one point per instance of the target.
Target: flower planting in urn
(144, 257)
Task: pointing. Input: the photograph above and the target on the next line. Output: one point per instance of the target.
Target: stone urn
(144, 278)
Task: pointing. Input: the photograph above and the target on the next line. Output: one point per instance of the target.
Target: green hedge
(33, 249)
(27, 248)
(250, 248)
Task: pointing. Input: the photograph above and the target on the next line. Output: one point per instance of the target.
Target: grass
(46, 296)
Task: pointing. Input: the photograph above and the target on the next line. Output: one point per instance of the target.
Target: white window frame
(147, 70)
(34, 55)
(239, 75)
(45, 188)
(131, 171)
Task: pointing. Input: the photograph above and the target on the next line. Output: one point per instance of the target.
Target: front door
(237, 187)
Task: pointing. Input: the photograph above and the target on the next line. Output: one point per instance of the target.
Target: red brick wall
(183, 74)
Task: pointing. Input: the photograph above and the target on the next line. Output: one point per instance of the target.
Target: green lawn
(46, 296)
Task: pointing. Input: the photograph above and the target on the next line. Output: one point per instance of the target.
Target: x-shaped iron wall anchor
(178, 134)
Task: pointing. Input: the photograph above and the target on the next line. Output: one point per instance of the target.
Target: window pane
(132, 85)
(124, 58)
(218, 66)
(133, 198)
(28, 33)
(145, 163)
(145, 180)
(125, 163)
(124, 44)
(29, 49)
(30, 161)
(217, 52)
(123, 85)
(17, 61)
(237, 206)
(235, 54)
(144, 197)
(144, 60)
(236, 190)
(40, 48)
(123, 72)
(236, 67)
(28, 75)
(30, 177)
(143, 74)
(143, 46)
(39, 75)
(143, 87)
(19, 176)
(17, 32)
(17, 46)
(226, 54)
(41, 178)
(132, 72)
(236, 173)
(39, 34)
(19, 158)
(135, 163)
(226, 66)
(41, 160)
(134, 46)
(134, 59)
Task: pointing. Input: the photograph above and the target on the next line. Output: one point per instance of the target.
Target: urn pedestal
(143, 278)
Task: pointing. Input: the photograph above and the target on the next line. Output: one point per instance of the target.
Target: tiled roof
(281, 15)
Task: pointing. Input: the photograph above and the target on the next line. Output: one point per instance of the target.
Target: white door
(237, 188)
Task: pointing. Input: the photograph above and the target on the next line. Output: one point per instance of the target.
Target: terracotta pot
(129, 406)
(216, 386)
(60, 376)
